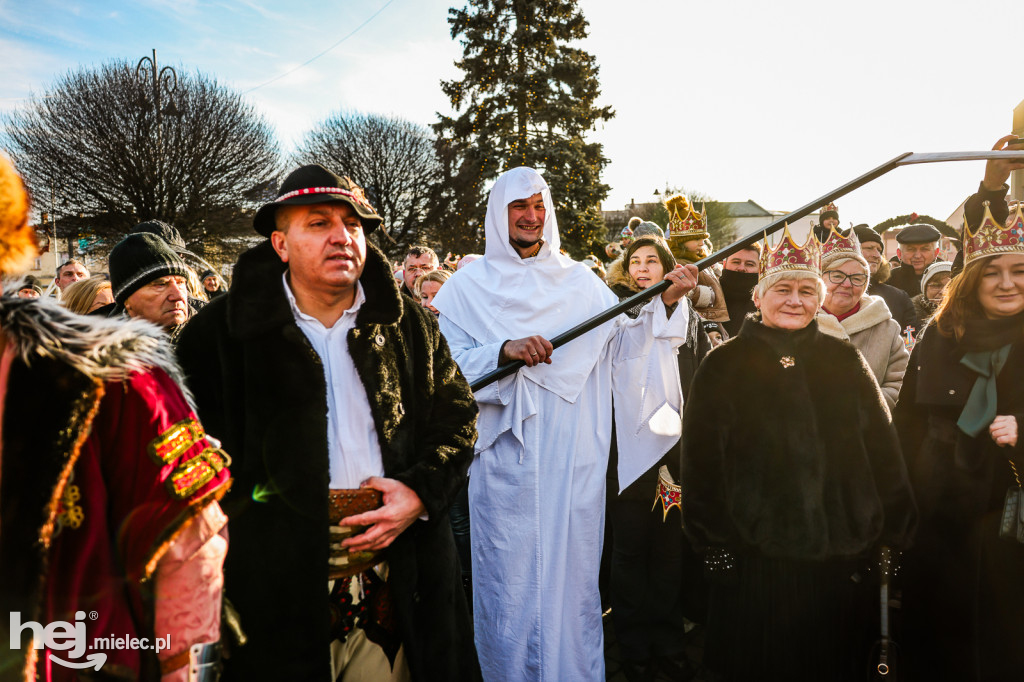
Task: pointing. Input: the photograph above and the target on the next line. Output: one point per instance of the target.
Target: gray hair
(766, 283)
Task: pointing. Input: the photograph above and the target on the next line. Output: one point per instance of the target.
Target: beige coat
(877, 336)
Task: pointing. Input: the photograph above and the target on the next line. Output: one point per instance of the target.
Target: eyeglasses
(838, 277)
(421, 268)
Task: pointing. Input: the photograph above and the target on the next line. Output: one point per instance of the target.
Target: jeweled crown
(683, 222)
(993, 239)
(830, 206)
(835, 244)
(786, 256)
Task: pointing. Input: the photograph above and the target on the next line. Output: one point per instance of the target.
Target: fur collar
(618, 279)
(100, 348)
(883, 273)
(257, 303)
(872, 311)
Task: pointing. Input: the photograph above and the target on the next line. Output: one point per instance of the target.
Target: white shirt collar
(352, 310)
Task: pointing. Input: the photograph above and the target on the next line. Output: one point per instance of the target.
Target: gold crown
(683, 222)
(786, 256)
(830, 206)
(993, 239)
(835, 244)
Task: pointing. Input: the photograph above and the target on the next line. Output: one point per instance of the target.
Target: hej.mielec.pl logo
(70, 637)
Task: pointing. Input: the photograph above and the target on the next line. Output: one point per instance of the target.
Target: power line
(313, 59)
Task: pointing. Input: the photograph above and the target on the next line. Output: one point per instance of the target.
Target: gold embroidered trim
(190, 476)
(175, 441)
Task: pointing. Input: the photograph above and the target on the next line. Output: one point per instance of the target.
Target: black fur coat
(260, 388)
(789, 451)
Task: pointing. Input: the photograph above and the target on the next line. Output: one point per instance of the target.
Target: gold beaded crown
(993, 239)
(830, 206)
(684, 223)
(835, 244)
(786, 256)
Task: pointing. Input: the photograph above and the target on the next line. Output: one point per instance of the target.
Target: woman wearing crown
(849, 313)
(791, 478)
(958, 417)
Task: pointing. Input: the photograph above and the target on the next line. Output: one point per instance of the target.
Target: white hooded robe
(537, 482)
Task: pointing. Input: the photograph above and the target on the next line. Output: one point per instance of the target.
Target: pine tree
(527, 98)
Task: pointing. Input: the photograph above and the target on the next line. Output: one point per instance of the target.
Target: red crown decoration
(835, 244)
(830, 206)
(993, 239)
(683, 222)
(786, 256)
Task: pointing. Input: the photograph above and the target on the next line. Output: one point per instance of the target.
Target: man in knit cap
(150, 281)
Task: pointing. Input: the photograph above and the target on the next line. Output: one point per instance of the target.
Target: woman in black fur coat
(958, 417)
(791, 477)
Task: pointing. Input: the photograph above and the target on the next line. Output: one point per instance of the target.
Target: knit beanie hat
(935, 268)
(137, 260)
(648, 229)
(866, 234)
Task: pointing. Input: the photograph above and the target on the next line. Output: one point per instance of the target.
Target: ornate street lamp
(165, 84)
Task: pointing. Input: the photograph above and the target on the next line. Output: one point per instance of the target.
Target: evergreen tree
(527, 98)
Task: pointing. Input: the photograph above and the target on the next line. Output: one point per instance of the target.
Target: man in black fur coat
(322, 377)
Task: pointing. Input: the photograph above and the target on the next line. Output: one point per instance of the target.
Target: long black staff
(906, 159)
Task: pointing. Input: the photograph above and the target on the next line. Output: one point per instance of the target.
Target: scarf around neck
(986, 345)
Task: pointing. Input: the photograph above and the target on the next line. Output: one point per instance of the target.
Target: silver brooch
(787, 361)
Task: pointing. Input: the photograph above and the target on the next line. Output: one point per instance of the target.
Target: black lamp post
(165, 84)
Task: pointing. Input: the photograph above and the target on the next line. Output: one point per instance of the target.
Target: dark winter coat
(959, 570)
(906, 279)
(793, 462)
(900, 305)
(260, 388)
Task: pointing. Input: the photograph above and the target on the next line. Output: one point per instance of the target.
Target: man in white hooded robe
(537, 482)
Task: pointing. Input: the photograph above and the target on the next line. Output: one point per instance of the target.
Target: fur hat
(17, 238)
(314, 184)
(137, 260)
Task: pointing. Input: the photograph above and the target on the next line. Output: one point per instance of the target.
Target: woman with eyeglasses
(849, 313)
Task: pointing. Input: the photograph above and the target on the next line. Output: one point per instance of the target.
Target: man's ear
(756, 299)
(277, 240)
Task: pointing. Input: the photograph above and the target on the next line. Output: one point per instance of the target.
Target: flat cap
(921, 233)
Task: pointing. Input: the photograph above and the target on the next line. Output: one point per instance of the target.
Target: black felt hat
(314, 184)
(921, 233)
(137, 260)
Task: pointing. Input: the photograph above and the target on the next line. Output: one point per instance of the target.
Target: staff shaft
(745, 242)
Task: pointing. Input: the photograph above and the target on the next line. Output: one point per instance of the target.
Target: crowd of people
(803, 460)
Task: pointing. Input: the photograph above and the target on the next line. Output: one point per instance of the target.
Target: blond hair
(439, 276)
(78, 297)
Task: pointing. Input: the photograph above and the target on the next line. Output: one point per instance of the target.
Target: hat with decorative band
(314, 184)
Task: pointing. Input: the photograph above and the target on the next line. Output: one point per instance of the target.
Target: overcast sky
(777, 102)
